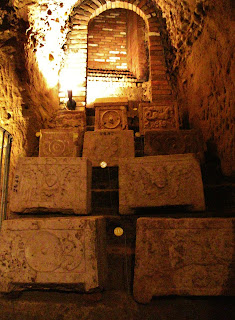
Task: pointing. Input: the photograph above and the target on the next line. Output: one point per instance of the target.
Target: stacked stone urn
(173, 256)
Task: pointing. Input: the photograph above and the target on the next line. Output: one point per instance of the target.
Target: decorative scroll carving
(108, 146)
(156, 117)
(60, 143)
(52, 184)
(60, 252)
(160, 181)
(173, 142)
(184, 257)
(110, 118)
(69, 119)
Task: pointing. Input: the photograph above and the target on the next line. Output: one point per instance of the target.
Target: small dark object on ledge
(71, 104)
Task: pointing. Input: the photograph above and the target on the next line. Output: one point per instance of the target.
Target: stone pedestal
(59, 253)
(53, 185)
(60, 143)
(110, 114)
(184, 257)
(173, 142)
(108, 146)
(160, 181)
(156, 117)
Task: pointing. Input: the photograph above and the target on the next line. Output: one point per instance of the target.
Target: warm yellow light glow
(103, 164)
(48, 33)
(103, 89)
(70, 76)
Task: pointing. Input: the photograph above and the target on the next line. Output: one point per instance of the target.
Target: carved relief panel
(57, 252)
(52, 184)
(69, 119)
(108, 146)
(157, 117)
(192, 256)
(60, 143)
(160, 181)
(110, 118)
(173, 142)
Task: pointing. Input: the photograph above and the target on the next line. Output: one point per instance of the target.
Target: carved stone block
(160, 181)
(108, 146)
(59, 253)
(60, 143)
(69, 119)
(110, 118)
(157, 117)
(173, 142)
(184, 257)
(52, 184)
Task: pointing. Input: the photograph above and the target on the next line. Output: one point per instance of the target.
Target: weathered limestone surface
(108, 146)
(110, 115)
(160, 181)
(173, 142)
(60, 143)
(69, 119)
(52, 184)
(158, 117)
(184, 257)
(52, 253)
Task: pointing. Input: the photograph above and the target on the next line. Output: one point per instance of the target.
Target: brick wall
(107, 41)
(137, 48)
(118, 39)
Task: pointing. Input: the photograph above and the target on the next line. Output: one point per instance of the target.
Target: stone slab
(61, 253)
(60, 143)
(108, 146)
(114, 101)
(111, 118)
(69, 119)
(52, 185)
(157, 117)
(156, 181)
(184, 257)
(173, 142)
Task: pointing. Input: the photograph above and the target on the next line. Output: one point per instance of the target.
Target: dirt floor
(118, 305)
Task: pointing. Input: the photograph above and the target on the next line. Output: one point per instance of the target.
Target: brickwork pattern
(77, 43)
(107, 40)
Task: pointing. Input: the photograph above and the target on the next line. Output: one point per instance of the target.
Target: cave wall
(201, 33)
(25, 101)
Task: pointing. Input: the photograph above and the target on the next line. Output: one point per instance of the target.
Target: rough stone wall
(201, 34)
(25, 102)
(11, 118)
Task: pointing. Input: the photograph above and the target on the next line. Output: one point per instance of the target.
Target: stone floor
(118, 305)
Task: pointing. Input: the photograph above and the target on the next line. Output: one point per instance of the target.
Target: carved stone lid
(101, 102)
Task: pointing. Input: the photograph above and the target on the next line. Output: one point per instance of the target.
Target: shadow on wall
(212, 172)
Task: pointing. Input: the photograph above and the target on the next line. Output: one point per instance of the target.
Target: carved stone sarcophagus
(157, 117)
(60, 143)
(111, 114)
(160, 181)
(173, 142)
(108, 146)
(52, 185)
(59, 253)
(184, 257)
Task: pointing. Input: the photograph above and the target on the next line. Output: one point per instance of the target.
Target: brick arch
(77, 43)
(89, 9)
